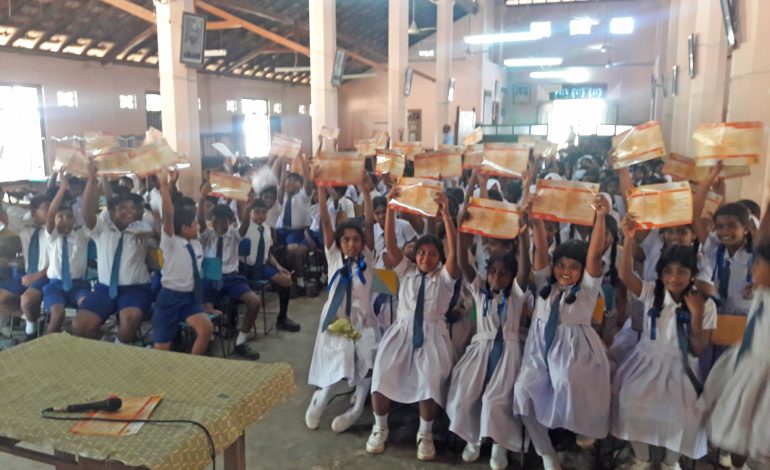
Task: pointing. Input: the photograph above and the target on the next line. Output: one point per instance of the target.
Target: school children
(415, 356)
(294, 194)
(349, 253)
(68, 256)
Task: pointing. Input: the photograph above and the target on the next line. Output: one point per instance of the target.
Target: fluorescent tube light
(533, 62)
(503, 37)
(575, 75)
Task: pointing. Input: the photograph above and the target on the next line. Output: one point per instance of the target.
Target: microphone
(110, 404)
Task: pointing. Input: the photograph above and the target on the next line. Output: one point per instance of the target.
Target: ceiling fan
(413, 28)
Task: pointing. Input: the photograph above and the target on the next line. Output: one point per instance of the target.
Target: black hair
(743, 215)
(512, 191)
(74, 180)
(752, 206)
(495, 195)
(430, 240)
(222, 211)
(37, 201)
(508, 260)
(64, 208)
(611, 225)
(118, 199)
(379, 201)
(652, 179)
(339, 232)
(183, 217)
(258, 204)
(184, 202)
(682, 255)
(137, 200)
(455, 194)
(572, 249)
(120, 190)
(269, 189)
(295, 176)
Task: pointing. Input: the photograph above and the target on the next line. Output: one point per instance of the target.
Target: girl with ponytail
(655, 390)
(564, 380)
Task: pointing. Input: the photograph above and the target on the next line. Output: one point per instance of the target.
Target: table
(224, 395)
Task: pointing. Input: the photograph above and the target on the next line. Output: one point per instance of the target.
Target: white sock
(362, 390)
(31, 327)
(671, 457)
(381, 421)
(550, 462)
(242, 337)
(118, 341)
(324, 395)
(300, 282)
(641, 451)
(426, 426)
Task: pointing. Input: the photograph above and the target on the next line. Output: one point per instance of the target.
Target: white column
(398, 61)
(179, 91)
(323, 46)
(444, 20)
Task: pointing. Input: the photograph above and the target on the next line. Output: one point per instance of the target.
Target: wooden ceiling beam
(245, 7)
(122, 50)
(217, 25)
(133, 9)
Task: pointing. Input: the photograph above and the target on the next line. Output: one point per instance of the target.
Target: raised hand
(602, 205)
(629, 226)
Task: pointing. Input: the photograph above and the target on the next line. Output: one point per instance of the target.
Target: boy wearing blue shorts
(294, 193)
(180, 297)
(123, 278)
(67, 260)
(25, 287)
(221, 242)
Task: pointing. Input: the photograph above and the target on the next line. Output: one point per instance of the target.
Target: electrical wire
(212, 449)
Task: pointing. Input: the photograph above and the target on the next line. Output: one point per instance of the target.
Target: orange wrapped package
(474, 137)
(153, 157)
(661, 205)
(713, 201)
(733, 143)
(340, 169)
(390, 162)
(473, 156)
(285, 146)
(417, 196)
(97, 143)
(438, 165)
(229, 187)
(565, 201)
(409, 149)
(643, 142)
(684, 168)
(115, 163)
(492, 219)
(506, 160)
(72, 161)
(366, 147)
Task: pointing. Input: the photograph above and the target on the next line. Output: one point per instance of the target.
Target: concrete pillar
(179, 91)
(444, 23)
(323, 47)
(398, 61)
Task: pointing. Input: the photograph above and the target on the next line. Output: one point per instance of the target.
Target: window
(622, 25)
(256, 127)
(581, 26)
(302, 109)
(232, 106)
(67, 99)
(153, 102)
(541, 28)
(21, 133)
(127, 101)
(277, 108)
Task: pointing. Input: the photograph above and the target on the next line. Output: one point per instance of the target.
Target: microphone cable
(212, 449)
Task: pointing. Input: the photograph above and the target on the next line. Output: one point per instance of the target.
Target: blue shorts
(171, 308)
(232, 285)
(100, 303)
(285, 236)
(15, 286)
(318, 238)
(54, 294)
(263, 273)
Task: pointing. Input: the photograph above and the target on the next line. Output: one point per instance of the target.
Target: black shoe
(297, 291)
(28, 337)
(313, 288)
(246, 351)
(286, 324)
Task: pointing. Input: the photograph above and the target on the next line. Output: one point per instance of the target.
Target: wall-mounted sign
(580, 92)
(521, 93)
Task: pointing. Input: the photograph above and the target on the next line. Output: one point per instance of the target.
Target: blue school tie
(724, 280)
(418, 335)
(748, 333)
(196, 273)
(654, 314)
(66, 275)
(33, 254)
(115, 273)
(497, 346)
(220, 252)
(344, 289)
(260, 248)
(287, 212)
(551, 325)
(683, 330)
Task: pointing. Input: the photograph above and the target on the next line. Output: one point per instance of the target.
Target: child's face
(499, 276)
(268, 198)
(350, 243)
(64, 221)
(220, 225)
(379, 215)
(259, 215)
(683, 236)
(208, 206)
(76, 189)
(40, 215)
(729, 230)
(612, 187)
(190, 232)
(139, 211)
(427, 258)
(123, 214)
(676, 278)
(552, 228)
(760, 272)
(293, 185)
(567, 271)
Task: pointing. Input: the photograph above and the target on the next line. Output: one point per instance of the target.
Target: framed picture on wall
(339, 68)
(193, 38)
(521, 93)
(408, 81)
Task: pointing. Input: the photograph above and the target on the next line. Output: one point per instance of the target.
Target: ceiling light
(576, 75)
(292, 69)
(215, 53)
(502, 37)
(426, 53)
(542, 28)
(533, 62)
(581, 26)
(622, 25)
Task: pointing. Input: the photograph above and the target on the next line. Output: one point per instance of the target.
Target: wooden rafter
(122, 50)
(133, 8)
(217, 25)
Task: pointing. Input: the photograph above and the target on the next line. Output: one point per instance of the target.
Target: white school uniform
(177, 266)
(77, 249)
(133, 269)
(653, 400)
(405, 233)
(475, 409)
(271, 219)
(315, 216)
(25, 235)
(740, 270)
(252, 233)
(336, 357)
(735, 396)
(300, 210)
(401, 372)
(572, 391)
(209, 239)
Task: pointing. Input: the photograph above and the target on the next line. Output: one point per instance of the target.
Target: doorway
(21, 133)
(580, 117)
(255, 127)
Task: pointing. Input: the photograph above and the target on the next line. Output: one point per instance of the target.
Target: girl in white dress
(481, 389)
(564, 380)
(415, 357)
(349, 255)
(655, 390)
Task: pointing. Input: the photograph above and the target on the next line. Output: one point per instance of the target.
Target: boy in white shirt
(67, 259)
(294, 194)
(405, 233)
(180, 297)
